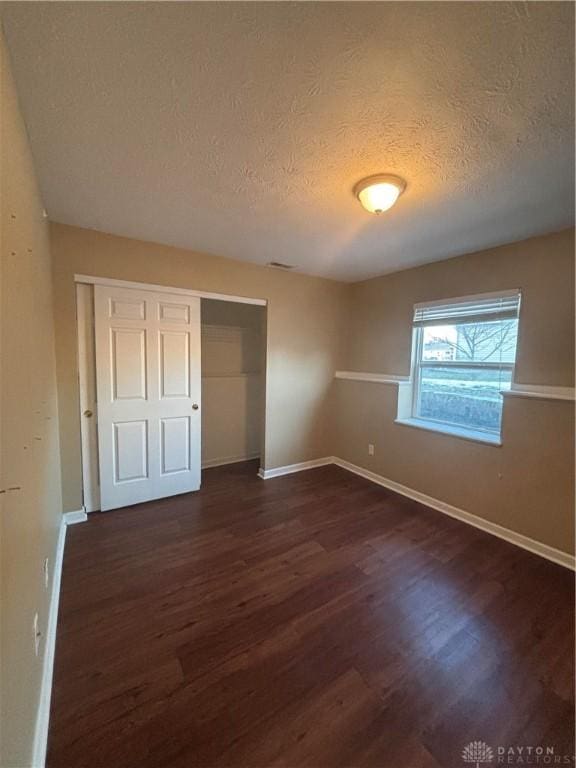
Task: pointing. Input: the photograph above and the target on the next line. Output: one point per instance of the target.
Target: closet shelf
(230, 375)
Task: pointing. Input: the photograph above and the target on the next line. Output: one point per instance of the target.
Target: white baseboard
(209, 463)
(268, 474)
(43, 713)
(78, 516)
(536, 547)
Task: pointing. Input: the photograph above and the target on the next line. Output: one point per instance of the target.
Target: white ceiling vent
(279, 265)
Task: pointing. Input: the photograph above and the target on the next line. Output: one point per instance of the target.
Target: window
(463, 356)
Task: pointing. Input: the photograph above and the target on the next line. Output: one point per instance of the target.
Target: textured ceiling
(241, 128)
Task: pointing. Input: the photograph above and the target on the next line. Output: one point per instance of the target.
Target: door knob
(88, 413)
(194, 406)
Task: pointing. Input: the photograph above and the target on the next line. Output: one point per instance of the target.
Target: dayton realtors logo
(477, 752)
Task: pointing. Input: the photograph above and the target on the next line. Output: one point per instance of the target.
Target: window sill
(453, 431)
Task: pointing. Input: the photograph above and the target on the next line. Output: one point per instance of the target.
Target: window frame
(412, 418)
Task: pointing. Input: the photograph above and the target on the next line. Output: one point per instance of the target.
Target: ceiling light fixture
(379, 193)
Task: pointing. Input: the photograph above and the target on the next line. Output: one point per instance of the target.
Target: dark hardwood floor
(313, 620)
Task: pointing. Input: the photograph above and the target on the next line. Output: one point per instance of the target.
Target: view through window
(464, 356)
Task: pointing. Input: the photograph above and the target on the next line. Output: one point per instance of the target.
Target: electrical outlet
(370, 449)
(37, 634)
(46, 572)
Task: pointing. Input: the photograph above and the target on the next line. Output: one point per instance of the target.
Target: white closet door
(148, 386)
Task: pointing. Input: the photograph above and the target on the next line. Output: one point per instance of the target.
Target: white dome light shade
(379, 193)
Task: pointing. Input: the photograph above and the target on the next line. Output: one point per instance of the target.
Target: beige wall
(232, 381)
(29, 455)
(526, 485)
(303, 341)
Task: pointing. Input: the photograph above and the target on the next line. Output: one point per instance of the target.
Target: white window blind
(469, 309)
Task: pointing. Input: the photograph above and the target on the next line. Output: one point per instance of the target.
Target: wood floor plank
(314, 620)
